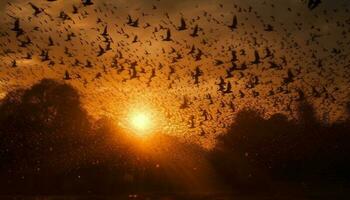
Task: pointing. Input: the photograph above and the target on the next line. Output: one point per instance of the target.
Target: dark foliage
(258, 151)
(49, 145)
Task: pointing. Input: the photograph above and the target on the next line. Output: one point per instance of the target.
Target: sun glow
(141, 123)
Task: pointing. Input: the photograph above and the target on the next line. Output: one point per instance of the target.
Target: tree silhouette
(257, 150)
(43, 131)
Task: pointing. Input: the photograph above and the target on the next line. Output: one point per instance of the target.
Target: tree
(44, 131)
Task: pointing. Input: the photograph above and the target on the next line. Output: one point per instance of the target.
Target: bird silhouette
(183, 25)
(36, 9)
(101, 51)
(312, 4)
(168, 36)
(234, 24)
(195, 31)
(19, 31)
(196, 74)
(87, 2)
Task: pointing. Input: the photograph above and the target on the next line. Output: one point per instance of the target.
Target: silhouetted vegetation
(50, 145)
(258, 151)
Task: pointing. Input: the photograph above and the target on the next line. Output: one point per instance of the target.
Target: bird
(312, 4)
(75, 10)
(105, 32)
(101, 51)
(195, 31)
(256, 58)
(51, 43)
(196, 74)
(233, 26)
(87, 2)
(228, 88)
(19, 31)
(14, 63)
(132, 23)
(269, 28)
(182, 26)
(168, 36)
(36, 9)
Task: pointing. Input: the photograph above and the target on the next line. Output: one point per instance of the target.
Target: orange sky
(304, 38)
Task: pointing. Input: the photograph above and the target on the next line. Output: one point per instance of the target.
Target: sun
(142, 119)
(141, 123)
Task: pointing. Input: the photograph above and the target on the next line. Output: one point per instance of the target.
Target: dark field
(283, 192)
(174, 197)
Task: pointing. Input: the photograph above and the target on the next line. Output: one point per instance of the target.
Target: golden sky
(141, 70)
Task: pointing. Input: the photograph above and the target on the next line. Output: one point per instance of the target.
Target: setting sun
(140, 122)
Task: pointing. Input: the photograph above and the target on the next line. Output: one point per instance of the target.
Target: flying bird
(312, 4)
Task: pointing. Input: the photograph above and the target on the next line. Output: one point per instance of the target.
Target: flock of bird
(197, 66)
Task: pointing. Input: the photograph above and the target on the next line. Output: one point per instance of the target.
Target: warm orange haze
(163, 99)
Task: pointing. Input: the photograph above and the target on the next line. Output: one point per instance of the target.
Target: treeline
(50, 145)
(257, 151)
